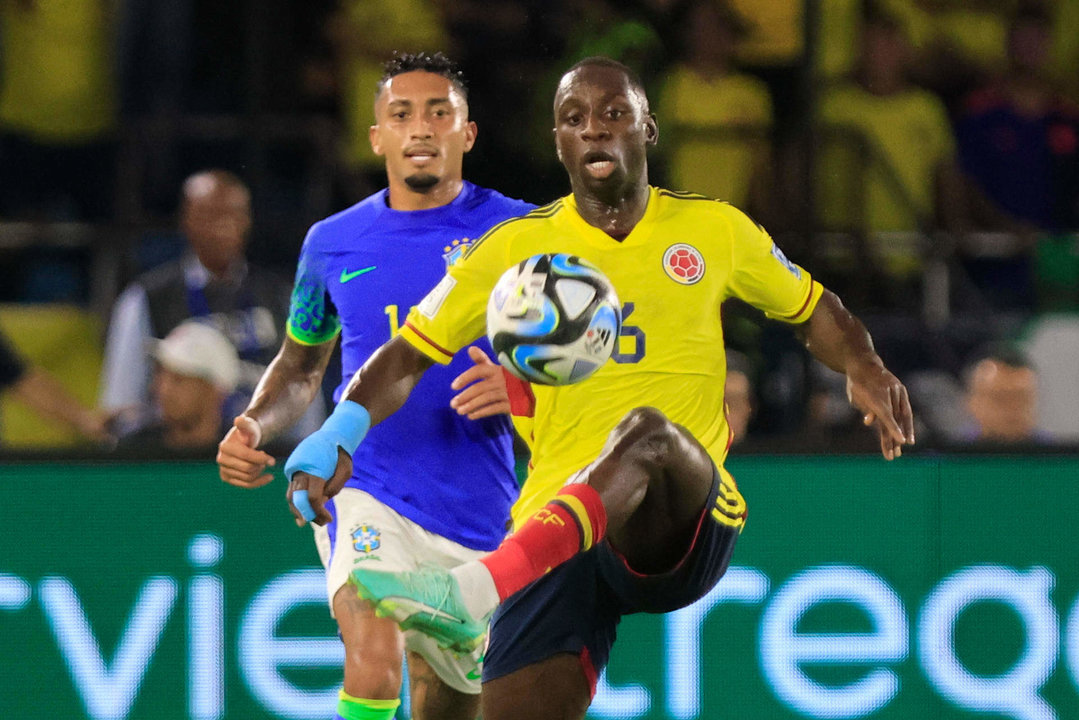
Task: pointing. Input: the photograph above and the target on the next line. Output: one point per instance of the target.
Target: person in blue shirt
(435, 483)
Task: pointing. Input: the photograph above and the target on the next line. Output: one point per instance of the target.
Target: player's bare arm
(286, 389)
(840, 341)
(381, 386)
(482, 388)
(386, 380)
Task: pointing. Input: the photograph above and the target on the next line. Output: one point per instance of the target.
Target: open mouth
(599, 164)
(422, 155)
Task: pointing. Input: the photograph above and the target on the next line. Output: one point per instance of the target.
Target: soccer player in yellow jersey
(627, 507)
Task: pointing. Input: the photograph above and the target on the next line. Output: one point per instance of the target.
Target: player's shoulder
(491, 200)
(527, 221)
(695, 205)
(704, 216)
(342, 227)
(536, 219)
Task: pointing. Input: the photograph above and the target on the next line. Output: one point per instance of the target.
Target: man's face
(1003, 401)
(216, 218)
(422, 129)
(183, 399)
(602, 129)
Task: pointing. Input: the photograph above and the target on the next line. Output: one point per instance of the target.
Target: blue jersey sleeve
(312, 318)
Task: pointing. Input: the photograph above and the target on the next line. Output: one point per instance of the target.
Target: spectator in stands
(213, 282)
(58, 110)
(45, 396)
(196, 369)
(738, 395)
(1019, 145)
(1019, 136)
(1002, 398)
(887, 160)
(719, 118)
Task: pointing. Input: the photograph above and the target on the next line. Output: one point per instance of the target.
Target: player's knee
(648, 435)
(644, 417)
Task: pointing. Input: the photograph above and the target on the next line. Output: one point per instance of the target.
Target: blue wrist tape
(316, 455)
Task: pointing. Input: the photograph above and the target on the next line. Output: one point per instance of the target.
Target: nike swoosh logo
(405, 607)
(476, 673)
(346, 275)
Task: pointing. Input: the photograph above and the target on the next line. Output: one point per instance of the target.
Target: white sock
(477, 588)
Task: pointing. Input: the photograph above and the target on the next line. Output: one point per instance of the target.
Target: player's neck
(616, 215)
(404, 198)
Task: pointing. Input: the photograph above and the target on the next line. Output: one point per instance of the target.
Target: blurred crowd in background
(161, 161)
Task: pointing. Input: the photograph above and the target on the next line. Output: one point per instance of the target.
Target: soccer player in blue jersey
(435, 483)
(627, 507)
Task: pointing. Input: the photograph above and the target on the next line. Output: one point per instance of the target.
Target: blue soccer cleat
(428, 600)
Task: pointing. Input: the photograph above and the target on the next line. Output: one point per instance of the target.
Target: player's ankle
(356, 708)
(477, 588)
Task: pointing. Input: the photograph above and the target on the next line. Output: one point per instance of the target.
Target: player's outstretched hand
(883, 402)
(239, 462)
(307, 493)
(482, 388)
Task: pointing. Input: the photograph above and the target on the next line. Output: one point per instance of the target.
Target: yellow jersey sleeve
(762, 276)
(454, 312)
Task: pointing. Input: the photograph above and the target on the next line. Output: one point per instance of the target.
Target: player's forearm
(290, 383)
(838, 339)
(386, 380)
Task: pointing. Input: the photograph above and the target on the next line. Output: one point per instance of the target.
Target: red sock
(572, 522)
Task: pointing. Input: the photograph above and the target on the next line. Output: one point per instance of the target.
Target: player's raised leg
(548, 689)
(647, 490)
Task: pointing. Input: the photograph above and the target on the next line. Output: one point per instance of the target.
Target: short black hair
(603, 61)
(437, 64)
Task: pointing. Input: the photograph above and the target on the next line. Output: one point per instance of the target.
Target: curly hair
(437, 64)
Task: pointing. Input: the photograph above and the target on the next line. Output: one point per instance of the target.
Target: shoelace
(428, 585)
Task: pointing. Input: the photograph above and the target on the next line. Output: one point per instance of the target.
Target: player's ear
(557, 145)
(470, 135)
(651, 129)
(375, 136)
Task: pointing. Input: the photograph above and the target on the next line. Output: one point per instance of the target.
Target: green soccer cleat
(428, 600)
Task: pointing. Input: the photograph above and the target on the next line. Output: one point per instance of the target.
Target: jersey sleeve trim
(803, 313)
(309, 339)
(425, 345)
(545, 211)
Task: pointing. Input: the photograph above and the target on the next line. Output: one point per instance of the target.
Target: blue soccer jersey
(360, 272)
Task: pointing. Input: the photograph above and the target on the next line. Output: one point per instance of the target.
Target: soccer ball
(553, 319)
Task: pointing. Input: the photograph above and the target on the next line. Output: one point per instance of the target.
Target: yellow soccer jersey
(683, 259)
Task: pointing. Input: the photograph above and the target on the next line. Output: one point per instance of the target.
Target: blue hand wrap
(317, 453)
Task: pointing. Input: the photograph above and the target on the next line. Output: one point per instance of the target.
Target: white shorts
(370, 533)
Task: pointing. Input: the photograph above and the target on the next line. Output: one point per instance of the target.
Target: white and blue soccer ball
(553, 319)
